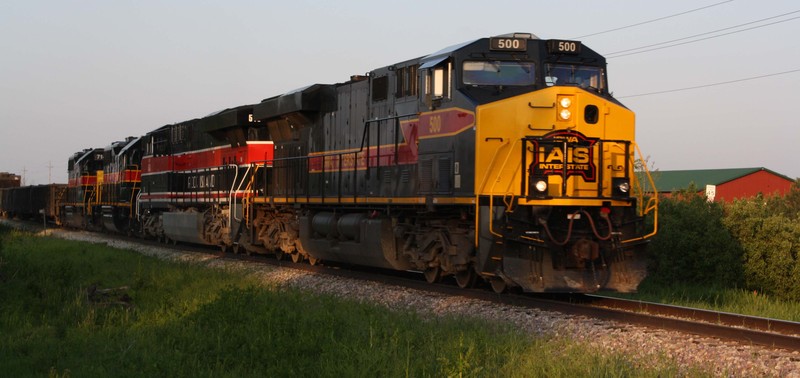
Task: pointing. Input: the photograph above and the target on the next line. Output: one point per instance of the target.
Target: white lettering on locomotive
(560, 151)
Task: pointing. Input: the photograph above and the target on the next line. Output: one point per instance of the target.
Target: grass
(181, 319)
(736, 301)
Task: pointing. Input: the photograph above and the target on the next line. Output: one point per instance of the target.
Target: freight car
(504, 159)
(31, 202)
(9, 180)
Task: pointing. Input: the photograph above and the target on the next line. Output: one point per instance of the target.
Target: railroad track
(744, 329)
(734, 327)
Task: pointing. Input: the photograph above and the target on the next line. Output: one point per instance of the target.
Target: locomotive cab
(77, 209)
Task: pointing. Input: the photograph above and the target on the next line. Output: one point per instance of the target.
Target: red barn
(724, 184)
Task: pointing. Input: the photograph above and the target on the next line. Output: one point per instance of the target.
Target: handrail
(135, 191)
(508, 155)
(480, 188)
(363, 148)
(230, 193)
(238, 189)
(248, 190)
(138, 200)
(652, 202)
(491, 194)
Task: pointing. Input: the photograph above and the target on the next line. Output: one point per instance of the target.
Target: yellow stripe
(447, 134)
(571, 202)
(368, 200)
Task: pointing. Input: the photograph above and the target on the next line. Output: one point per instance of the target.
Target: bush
(769, 233)
(692, 245)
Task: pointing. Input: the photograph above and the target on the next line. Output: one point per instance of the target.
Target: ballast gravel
(643, 346)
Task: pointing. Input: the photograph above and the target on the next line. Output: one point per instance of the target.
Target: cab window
(437, 81)
(498, 73)
(569, 74)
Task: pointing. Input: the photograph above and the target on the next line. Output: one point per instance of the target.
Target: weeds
(188, 320)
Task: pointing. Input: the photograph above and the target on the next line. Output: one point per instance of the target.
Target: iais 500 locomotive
(504, 159)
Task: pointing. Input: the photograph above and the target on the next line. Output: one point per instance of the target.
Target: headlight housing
(621, 187)
(564, 107)
(538, 187)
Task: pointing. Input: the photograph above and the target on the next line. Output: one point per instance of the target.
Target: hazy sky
(80, 74)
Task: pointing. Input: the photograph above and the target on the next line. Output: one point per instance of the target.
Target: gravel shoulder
(645, 347)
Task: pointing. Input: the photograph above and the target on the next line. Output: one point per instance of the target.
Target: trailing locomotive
(504, 159)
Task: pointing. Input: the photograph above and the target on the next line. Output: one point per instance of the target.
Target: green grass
(189, 320)
(736, 301)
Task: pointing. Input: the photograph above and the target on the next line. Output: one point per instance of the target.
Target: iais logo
(561, 153)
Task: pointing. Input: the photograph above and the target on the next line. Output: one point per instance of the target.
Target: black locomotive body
(195, 175)
(118, 185)
(78, 205)
(503, 158)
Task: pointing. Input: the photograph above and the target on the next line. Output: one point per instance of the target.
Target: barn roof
(671, 181)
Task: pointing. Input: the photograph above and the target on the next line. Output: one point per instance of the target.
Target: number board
(558, 46)
(508, 44)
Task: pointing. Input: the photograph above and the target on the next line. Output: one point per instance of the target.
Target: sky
(81, 74)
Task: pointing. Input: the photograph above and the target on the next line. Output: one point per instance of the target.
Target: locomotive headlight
(537, 187)
(564, 107)
(622, 187)
(541, 186)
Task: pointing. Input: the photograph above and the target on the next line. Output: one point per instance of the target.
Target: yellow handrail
(652, 202)
(479, 189)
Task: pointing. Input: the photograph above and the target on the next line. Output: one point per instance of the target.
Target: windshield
(499, 73)
(569, 74)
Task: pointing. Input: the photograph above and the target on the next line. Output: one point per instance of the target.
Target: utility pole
(24, 172)
(50, 172)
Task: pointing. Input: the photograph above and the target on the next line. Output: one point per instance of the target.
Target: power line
(653, 20)
(618, 54)
(711, 85)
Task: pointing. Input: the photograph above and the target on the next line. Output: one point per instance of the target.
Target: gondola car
(31, 202)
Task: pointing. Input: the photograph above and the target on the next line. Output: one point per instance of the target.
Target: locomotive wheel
(498, 285)
(466, 278)
(313, 260)
(279, 255)
(433, 275)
